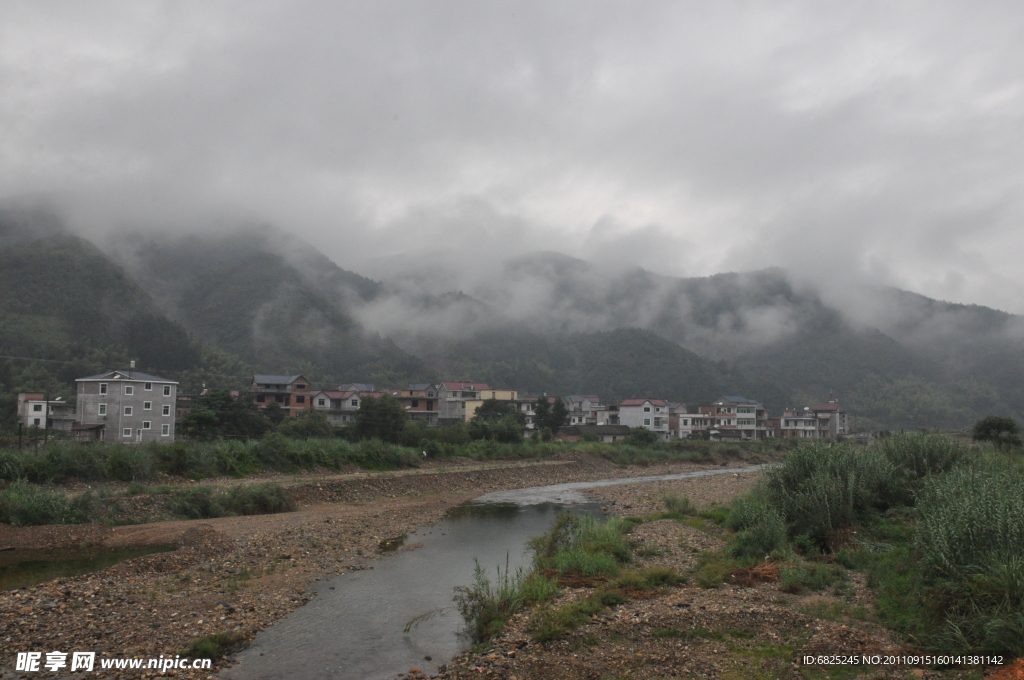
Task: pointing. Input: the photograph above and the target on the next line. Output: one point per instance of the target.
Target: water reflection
(26, 567)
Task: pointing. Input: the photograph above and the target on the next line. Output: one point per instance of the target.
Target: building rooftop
(638, 402)
(128, 375)
(456, 385)
(276, 379)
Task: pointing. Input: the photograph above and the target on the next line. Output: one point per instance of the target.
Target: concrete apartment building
(736, 416)
(126, 406)
(419, 401)
(291, 392)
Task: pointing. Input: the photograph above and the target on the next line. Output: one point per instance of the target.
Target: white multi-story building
(651, 414)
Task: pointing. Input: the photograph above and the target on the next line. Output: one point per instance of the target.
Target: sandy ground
(240, 574)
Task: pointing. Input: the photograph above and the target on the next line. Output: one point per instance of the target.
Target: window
(127, 410)
(167, 390)
(430, 405)
(37, 407)
(129, 390)
(657, 409)
(261, 398)
(320, 402)
(103, 388)
(657, 422)
(148, 387)
(300, 387)
(647, 409)
(167, 409)
(126, 432)
(647, 421)
(355, 402)
(146, 424)
(165, 430)
(147, 406)
(415, 403)
(103, 409)
(430, 394)
(300, 399)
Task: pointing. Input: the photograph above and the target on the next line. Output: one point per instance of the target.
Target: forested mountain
(270, 301)
(213, 308)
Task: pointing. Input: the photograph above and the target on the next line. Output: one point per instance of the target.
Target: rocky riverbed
(753, 630)
(238, 575)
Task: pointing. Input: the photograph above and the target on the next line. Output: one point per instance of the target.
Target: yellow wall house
(501, 395)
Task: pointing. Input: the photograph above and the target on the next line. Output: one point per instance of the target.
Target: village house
(291, 392)
(738, 417)
(125, 406)
(35, 410)
(582, 408)
(821, 421)
(419, 401)
(341, 405)
(458, 401)
(798, 423)
(651, 414)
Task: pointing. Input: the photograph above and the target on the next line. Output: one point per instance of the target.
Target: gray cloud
(848, 143)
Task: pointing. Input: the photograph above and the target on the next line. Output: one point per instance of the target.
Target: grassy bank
(64, 461)
(937, 526)
(576, 551)
(26, 504)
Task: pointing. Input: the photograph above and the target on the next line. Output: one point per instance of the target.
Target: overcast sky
(881, 140)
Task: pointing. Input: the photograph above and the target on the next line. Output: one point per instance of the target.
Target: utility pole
(46, 418)
(20, 425)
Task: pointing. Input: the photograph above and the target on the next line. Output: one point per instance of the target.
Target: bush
(486, 606)
(258, 499)
(23, 504)
(801, 576)
(760, 528)
(583, 546)
(196, 503)
(1001, 431)
(823, 488)
(214, 646)
(678, 505)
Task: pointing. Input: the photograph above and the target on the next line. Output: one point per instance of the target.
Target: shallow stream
(354, 627)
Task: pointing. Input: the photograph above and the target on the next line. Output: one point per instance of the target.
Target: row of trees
(219, 415)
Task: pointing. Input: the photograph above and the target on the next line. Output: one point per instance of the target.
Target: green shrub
(24, 504)
(486, 606)
(761, 529)
(713, 569)
(196, 503)
(801, 576)
(214, 646)
(678, 505)
(257, 499)
(583, 546)
(823, 488)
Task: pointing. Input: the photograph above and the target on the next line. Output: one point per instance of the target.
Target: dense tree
(541, 412)
(999, 430)
(493, 410)
(550, 415)
(309, 424)
(380, 418)
(218, 414)
(274, 413)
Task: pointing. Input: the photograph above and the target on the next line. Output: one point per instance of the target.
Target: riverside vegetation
(936, 526)
(27, 477)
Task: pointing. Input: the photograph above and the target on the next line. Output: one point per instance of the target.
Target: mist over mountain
(540, 322)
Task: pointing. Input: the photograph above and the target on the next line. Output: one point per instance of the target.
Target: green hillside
(615, 364)
(278, 313)
(72, 311)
